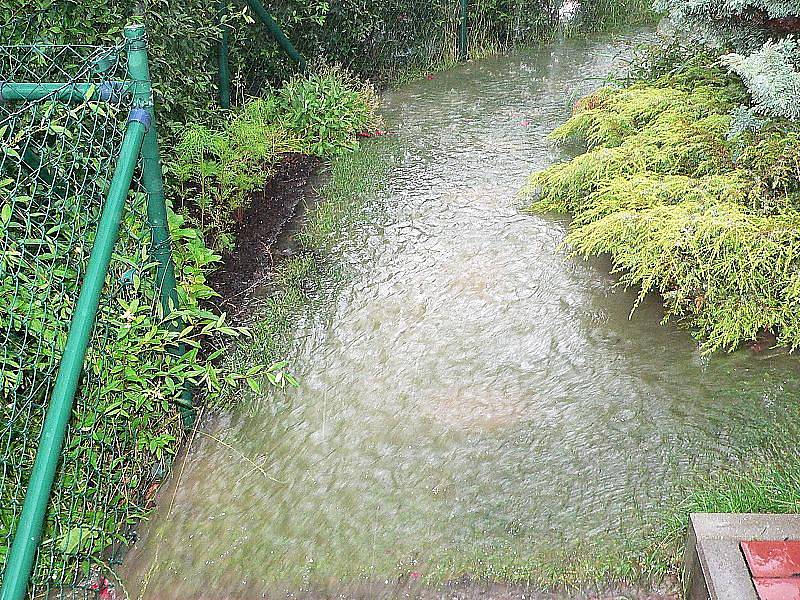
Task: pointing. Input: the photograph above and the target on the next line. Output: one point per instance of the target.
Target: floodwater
(476, 398)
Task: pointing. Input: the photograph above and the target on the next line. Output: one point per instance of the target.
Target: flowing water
(476, 398)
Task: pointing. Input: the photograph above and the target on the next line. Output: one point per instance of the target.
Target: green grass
(768, 482)
(575, 565)
(603, 15)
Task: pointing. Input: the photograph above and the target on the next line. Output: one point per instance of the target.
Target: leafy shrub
(772, 153)
(732, 274)
(325, 110)
(600, 15)
(761, 35)
(218, 169)
(125, 426)
(318, 114)
(705, 218)
(610, 115)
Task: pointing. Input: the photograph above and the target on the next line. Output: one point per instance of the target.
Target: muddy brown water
(476, 399)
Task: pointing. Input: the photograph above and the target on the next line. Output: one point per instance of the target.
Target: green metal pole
(463, 50)
(29, 530)
(224, 64)
(266, 18)
(72, 92)
(153, 181)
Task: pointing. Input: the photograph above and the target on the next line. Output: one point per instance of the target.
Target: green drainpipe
(266, 18)
(152, 179)
(29, 529)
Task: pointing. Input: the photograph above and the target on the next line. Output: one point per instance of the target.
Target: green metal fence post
(111, 91)
(224, 64)
(463, 50)
(266, 18)
(153, 182)
(31, 523)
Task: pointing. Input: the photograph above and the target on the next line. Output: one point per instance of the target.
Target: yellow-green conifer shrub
(706, 218)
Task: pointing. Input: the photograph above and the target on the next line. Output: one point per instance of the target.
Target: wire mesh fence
(58, 151)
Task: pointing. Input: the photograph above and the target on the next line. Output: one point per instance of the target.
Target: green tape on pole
(29, 529)
(276, 31)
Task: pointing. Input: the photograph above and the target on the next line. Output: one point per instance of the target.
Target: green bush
(219, 168)
(326, 110)
(125, 426)
(731, 273)
(706, 218)
(382, 41)
(600, 15)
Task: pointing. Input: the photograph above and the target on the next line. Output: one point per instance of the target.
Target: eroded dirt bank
(257, 228)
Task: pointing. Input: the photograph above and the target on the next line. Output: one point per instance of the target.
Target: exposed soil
(258, 227)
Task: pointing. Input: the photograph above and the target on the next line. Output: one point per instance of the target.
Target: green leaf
(76, 540)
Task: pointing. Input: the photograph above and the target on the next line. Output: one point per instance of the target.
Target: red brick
(772, 558)
(775, 588)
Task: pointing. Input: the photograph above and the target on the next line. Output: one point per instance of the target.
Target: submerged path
(477, 398)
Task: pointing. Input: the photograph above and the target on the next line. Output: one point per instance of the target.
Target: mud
(258, 227)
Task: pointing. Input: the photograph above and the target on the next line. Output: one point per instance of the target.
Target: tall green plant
(220, 168)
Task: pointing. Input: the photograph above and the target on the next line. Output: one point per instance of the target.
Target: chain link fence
(68, 116)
